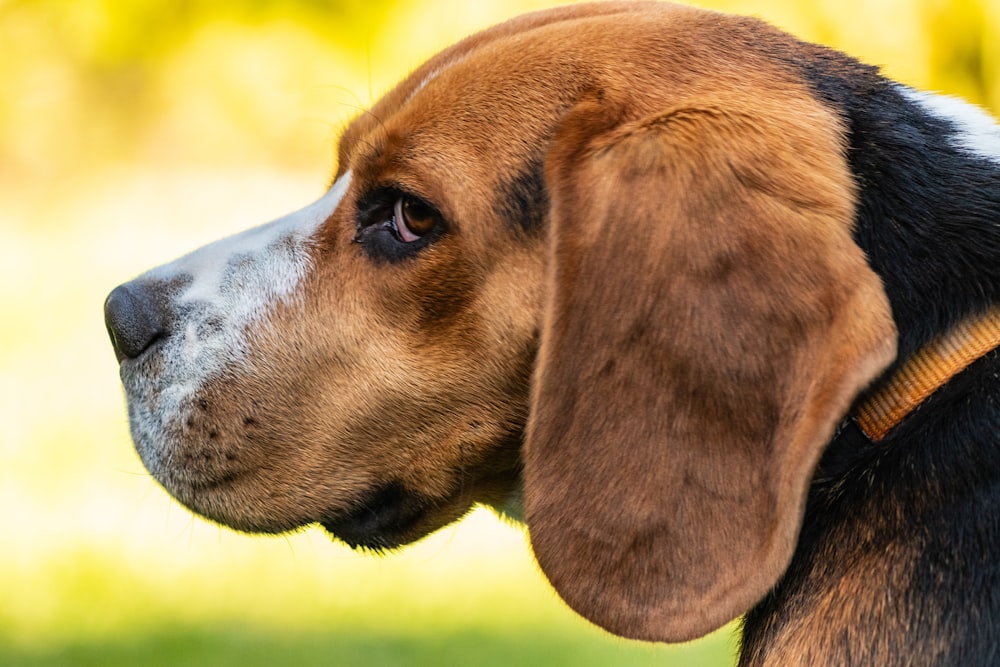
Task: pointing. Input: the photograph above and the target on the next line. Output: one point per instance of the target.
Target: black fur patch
(523, 200)
(903, 532)
(928, 212)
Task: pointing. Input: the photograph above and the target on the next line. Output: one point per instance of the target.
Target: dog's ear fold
(709, 321)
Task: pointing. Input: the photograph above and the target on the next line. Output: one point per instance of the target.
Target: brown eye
(413, 219)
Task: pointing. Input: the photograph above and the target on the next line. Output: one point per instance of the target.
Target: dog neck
(926, 372)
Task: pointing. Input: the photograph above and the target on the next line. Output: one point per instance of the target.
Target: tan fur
(703, 315)
(709, 323)
(840, 619)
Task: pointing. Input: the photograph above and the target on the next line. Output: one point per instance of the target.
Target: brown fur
(668, 454)
(857, 619)
(703, 316)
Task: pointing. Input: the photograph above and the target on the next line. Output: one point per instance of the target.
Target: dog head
(599, 256)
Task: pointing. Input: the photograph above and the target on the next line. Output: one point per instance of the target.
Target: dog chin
(390, 517)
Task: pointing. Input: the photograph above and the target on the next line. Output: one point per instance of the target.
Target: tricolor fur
(629, 266)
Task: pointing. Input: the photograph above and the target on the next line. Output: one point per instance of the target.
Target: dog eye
(393, 226)
(413, 219)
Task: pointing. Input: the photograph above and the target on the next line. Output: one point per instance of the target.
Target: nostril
(135, 319)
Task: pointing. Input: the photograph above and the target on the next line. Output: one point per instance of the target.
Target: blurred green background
(134, 130)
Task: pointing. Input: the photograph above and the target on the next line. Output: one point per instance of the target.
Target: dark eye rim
(377, 232)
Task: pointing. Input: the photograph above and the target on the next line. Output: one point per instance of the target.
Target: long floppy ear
(708, 323)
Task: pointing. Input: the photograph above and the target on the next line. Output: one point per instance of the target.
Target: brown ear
(709, 322)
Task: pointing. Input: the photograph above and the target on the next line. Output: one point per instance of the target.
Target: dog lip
(383, 519)
(198, 490)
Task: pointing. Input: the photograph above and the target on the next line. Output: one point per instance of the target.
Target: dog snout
(136, 318)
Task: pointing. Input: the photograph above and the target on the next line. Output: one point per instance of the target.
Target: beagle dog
(715, 311)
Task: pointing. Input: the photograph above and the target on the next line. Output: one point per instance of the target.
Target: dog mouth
(386, 518)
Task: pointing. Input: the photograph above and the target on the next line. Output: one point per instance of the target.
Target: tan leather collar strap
(925, 372)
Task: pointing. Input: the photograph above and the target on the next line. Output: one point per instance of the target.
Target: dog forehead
(516, 71)
(506, 83)
(475, 104)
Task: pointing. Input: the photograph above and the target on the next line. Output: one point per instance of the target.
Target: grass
(470, 595)
(223, 646)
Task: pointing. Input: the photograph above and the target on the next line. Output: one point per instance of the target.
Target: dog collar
(926, 372)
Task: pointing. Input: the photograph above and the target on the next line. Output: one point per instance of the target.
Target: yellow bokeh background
(134, 130)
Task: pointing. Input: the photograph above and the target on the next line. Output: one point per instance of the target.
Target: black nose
(135, 318)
